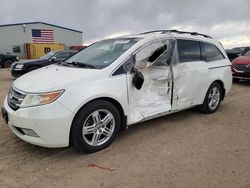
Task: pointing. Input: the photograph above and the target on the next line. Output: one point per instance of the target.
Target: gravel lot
(187, 149)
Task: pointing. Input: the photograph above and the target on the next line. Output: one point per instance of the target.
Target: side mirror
(138, 79)
(53, 59)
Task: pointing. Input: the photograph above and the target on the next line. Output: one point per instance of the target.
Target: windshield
(103, 53)
(47, 56)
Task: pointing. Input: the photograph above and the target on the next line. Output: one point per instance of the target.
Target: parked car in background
(92, 96)
(21, 67)
(236, 52)
(241, 68)
(7, 59)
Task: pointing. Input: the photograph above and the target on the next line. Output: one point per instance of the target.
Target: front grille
(242, 67)
(15, 98)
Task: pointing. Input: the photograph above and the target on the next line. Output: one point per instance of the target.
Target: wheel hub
(98, 127)
(214, 98)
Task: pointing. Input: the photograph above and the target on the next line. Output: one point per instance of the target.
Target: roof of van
(173, 34)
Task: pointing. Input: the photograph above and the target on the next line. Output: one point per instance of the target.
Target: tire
(7, 63)
(237, 80)
(100, 133)
(214, 93)
(33, 68)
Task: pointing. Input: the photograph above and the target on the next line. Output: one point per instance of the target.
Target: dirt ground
(187, 149)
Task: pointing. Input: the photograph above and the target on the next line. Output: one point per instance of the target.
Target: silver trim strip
(219, 67)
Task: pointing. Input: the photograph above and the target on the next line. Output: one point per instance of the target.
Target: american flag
(42, 36)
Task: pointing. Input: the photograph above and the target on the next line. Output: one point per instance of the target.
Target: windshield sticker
(121, 42)
(105, 62)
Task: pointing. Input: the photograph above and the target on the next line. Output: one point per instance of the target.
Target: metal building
(15, 37)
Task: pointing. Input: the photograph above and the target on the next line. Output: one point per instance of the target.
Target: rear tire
(95, 126)
(7, 63)
(212, 100)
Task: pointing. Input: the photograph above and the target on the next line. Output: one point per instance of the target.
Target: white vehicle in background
(90, 97)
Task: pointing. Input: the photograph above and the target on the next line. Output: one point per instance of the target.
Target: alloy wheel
(98, 127)
(214, 98)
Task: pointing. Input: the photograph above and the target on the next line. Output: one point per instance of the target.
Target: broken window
(155, 95)
(153, 54)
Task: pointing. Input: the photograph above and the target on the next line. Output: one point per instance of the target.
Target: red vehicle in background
(241, 68)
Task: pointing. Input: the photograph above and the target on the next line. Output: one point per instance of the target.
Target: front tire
(212, 99)
(95, 126)
(7, 63)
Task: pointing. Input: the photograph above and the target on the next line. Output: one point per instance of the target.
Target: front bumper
(241, 75)
(50, 122)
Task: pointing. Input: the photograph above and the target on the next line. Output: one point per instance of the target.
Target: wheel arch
(222, 87)
(112, 101)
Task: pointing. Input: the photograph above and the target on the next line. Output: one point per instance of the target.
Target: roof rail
(178, 32)
(154, 31)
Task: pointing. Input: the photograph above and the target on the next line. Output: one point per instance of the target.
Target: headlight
(17, 58)
(19, 66)
(40, 98)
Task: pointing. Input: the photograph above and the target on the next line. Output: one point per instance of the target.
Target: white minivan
(98, 92)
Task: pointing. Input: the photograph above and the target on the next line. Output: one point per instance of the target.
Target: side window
(150, 54)
(125, 67)
(119, 71)
(210, 52)
(189, 50)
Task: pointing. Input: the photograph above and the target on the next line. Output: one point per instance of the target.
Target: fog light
(30, 132)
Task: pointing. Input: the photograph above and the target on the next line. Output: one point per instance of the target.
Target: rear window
(189, 50)
(210, 52)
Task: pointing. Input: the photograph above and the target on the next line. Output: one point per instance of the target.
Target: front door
(154, 97)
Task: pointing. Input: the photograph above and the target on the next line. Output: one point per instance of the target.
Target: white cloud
(226, 20)
(235, 41)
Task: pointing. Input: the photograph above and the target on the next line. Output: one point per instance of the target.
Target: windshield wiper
(80, 64)
(63, 63)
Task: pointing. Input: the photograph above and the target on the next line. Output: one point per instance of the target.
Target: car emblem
(248, 66)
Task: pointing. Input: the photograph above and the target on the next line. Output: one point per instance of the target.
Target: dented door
(190, 75)
(154, 98)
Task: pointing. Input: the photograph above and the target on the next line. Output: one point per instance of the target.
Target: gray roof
(28, 23)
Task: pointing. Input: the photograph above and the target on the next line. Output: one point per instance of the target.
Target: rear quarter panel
(220, 70)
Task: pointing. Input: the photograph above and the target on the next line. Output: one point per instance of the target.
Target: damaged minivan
(90, 97)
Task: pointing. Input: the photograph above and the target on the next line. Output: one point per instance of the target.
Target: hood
(24, 61)
(54, 77)
(242, 60)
